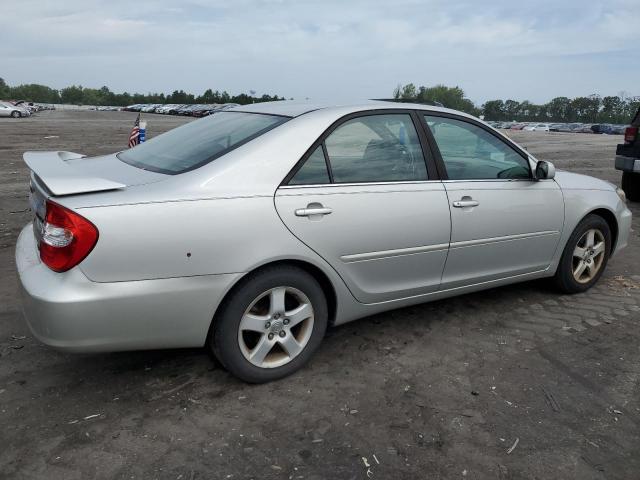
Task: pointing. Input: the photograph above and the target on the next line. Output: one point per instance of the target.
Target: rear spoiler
(61, 178)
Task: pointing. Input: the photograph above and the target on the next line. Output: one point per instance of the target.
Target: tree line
(591, 109)
(78, 95)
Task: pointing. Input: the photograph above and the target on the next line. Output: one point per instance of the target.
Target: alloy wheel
(588, 255)
(276, 327)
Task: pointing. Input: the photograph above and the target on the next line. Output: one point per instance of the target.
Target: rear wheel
(270, 325)
(631, 185)
(585, 255)
(15, 114)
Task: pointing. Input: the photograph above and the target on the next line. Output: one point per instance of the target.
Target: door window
(376, 148)
(471, 153)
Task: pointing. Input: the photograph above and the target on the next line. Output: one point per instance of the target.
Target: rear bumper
(627, 164)
(70, 312)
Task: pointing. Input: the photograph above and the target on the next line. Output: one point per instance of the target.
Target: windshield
(200, 142)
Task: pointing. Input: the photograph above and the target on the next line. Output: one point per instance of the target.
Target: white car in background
(16, 111)
(537, 127)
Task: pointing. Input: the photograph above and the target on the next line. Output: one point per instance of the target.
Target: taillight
(67, 238)
(630, 134)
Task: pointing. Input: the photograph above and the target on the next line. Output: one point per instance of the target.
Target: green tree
(450, 97)
(493, 110)
(511, 109)
(4, 89)
(71, 95)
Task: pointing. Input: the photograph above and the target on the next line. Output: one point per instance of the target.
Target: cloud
(329, 48)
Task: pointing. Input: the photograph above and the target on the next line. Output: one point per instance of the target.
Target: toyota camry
(252, 230)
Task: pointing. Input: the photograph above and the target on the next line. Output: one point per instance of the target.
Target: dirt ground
(515, 382)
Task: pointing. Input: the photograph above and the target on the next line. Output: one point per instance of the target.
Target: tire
(631, 185)
(15, 114)
(591, 263)
(250, 323)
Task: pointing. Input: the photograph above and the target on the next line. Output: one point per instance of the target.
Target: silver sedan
(15, 111)
(250, 231)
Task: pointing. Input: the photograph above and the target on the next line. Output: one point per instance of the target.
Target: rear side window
(372, 148)
(376, 148)
(200, 142)
(314, 171)
(471, 153)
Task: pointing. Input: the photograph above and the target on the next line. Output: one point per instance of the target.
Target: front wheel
(270, 325)
(585, 255)
(15, 114)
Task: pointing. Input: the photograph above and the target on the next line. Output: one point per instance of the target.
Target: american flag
(134, 136)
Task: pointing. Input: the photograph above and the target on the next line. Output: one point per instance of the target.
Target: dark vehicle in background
(628, 159)
(601, 128)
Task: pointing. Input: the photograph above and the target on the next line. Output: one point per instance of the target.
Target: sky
(326, 49)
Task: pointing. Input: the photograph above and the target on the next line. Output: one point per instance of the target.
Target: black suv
(628, 160)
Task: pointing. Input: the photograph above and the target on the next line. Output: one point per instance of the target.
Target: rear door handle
(466, 202)
(312, 210)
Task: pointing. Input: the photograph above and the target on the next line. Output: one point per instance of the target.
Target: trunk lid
(69, 173)
(60, 173)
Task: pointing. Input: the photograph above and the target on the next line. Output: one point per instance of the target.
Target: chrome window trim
(357, 184)
(529, 180)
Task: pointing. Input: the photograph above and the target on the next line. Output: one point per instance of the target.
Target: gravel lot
(440, 390)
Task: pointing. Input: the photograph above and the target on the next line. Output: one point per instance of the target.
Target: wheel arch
(611, 220)
(316, 272)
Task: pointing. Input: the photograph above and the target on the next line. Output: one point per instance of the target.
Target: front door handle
(466, 202)
(312, 210)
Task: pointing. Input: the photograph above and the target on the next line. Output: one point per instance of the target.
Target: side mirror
(545, 170)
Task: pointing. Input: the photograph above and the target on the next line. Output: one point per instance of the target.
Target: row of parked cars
(607, 128)
(197, 110)
(21, 108)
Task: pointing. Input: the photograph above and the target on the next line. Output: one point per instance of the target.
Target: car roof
(293, 108)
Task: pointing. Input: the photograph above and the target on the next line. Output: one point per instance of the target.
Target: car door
(362, 199)
(503, 222)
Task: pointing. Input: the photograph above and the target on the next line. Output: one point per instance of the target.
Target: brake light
(67, 238)
(630, 134)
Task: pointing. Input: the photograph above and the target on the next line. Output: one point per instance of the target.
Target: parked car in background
(203, 110)
(585, 128)
(133, 108)
(150, 108)
(628, 159)
(518, 126)
(567, 127)
(165, 109)
(10, 110)
(253, 229)
(175, 109)
(601, 128)
(537, 127)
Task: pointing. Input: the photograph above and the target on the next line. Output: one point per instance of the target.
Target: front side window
(200, 142)
(376, 148)
(471, 153)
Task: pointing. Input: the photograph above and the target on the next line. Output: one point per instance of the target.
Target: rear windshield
(198, 143)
